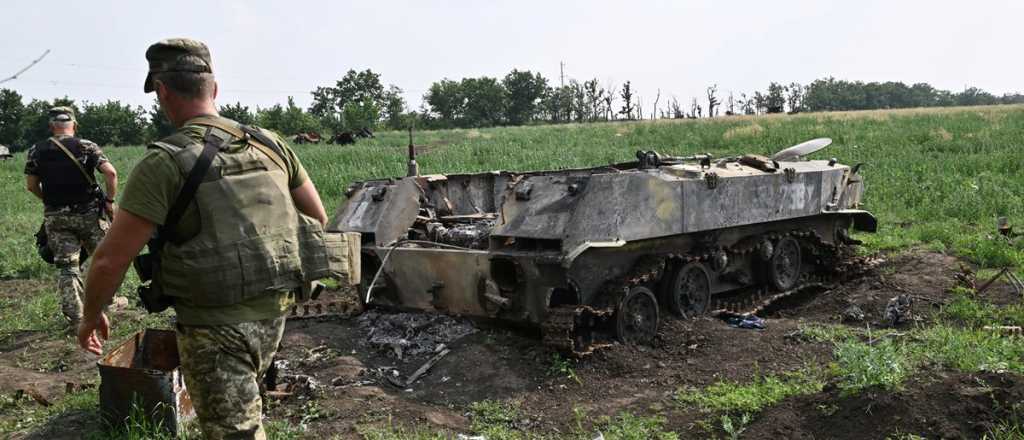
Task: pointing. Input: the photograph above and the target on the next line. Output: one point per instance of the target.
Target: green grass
(935, 177)
(938, 176)
(751, 397)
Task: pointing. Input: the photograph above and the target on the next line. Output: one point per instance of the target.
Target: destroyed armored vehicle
(590, 254)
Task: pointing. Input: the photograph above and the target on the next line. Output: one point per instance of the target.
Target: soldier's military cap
(177, 55)
(62, 114)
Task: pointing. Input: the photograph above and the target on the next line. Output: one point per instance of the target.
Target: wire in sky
(33, 63)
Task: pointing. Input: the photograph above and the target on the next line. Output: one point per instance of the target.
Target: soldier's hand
(92, 333)
(110, 209)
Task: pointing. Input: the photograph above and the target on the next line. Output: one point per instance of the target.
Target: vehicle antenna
(414, 168)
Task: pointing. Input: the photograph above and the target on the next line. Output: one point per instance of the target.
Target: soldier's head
(62, 120)
(181, 74)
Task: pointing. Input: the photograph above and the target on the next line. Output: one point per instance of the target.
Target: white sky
(264, 51)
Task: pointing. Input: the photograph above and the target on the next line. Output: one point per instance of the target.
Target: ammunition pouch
(43, 245)
(147, 266)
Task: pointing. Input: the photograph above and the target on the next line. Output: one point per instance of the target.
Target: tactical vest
(63, 182)
(252, 240)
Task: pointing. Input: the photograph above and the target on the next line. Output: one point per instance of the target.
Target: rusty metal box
(145, 370)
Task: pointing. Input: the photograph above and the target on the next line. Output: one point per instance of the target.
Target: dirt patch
(19, 288)
(936, 404)
(351, 378)
(926, 277)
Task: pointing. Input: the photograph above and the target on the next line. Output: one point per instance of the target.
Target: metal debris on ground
(411, 334)
(1015, 282)
(742, 320)
(899, 309)
(426, 366)
(853, 314)
(1005, 330)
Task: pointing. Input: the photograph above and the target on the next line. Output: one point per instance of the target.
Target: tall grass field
(938, 177)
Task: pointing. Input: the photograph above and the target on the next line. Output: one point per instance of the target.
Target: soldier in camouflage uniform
(228, 325)
(60, 171)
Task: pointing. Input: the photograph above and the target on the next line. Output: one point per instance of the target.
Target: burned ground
(338, 377)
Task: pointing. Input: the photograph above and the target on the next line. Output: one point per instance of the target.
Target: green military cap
(62, 114)
(176, 55)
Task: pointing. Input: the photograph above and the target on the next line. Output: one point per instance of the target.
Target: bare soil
(351, 386)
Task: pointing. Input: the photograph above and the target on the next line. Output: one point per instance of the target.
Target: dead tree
(654, 112)
(712, 100)
(730, 105)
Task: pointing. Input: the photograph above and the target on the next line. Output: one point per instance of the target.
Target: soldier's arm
(103, 165)
(304, 193)
(126, 237)
(307, 200)
(32, 184)
(109, 178)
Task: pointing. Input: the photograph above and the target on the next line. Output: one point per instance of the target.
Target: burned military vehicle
(590, 253)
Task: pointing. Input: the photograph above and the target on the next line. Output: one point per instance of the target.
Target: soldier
(231, 263)
(60, 171)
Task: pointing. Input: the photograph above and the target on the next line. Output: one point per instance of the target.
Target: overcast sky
(264, 51)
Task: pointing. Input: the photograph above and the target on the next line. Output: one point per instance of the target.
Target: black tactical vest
(63, 182)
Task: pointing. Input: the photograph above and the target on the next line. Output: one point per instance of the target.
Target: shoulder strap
(211, 144)
(267, 142)
(263, 142)
(88, 178)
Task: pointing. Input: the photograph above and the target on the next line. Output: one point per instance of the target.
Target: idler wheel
(784, 267)
(636, 319)
(687, 290)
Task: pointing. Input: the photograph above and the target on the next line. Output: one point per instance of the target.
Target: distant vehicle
(590, 253)
(5, 153)
(349, 137)
(309, 137)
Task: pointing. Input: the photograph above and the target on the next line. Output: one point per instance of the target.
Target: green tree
(113, 123)
(287, 120)
(12, 115)
(238, 113)
(775, 100)
(394, 108)
(524, 91)
(627, 98)
(485, 102)
(446, 101)
(355, 88)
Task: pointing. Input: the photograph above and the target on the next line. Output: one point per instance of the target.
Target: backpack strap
(211, 145)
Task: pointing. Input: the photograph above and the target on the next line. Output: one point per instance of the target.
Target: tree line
(360, 100)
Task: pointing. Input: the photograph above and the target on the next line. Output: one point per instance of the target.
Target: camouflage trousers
(66, 235)
(223, 367)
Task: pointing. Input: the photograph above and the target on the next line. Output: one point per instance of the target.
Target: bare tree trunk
(654, 111)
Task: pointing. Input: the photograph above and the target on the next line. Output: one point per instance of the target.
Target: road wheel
(686, 290)
(636, 319)
(785, 265)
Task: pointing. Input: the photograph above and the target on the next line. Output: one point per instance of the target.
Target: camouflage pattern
(89, 148)
(62, 114)
(223, 367)
(177, 55)
(67, 233)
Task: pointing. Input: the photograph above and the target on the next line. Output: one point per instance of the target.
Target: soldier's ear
(215, 90)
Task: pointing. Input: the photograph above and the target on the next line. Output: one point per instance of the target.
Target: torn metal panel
(145, 370)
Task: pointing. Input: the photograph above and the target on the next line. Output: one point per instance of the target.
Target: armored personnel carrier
(595, 253)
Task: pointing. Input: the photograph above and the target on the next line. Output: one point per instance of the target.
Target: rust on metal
(593, 255)
(144, 371)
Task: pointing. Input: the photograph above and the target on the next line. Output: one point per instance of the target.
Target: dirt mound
(924, 276)
(936, 405)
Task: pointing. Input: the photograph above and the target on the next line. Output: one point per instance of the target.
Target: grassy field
(938, 178)
(934, 176)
